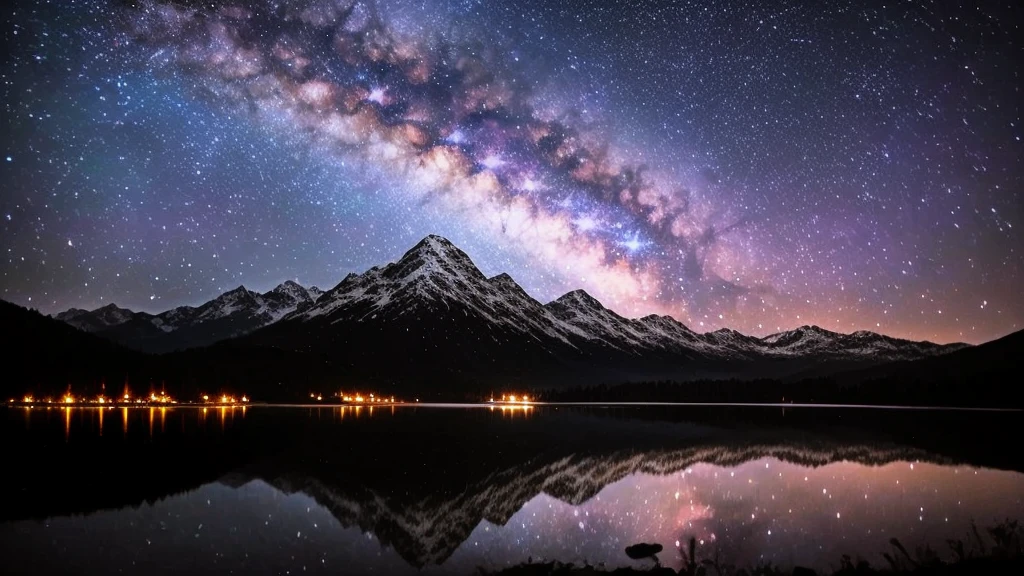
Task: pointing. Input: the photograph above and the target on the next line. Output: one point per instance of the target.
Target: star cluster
(759, 168)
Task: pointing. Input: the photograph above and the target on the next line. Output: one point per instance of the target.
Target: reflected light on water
(94, 419)
(763, 510)
(546, 497)
(511, 410)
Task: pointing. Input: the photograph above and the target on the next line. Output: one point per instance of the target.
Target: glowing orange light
(101, 400)
(27, 399)
(224, 399)
(206, 398)
(69, 399)
(244, 399)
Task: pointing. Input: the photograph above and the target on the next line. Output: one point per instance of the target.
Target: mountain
(437, 313)
(449, 322)
(96, 320)
(233, 313)
(980, 375)
(46, 355)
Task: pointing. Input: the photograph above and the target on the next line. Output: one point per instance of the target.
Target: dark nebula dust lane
(851, 166)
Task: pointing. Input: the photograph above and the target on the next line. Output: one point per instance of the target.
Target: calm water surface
(443, 490)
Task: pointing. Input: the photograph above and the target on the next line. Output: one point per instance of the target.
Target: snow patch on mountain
(436, 278)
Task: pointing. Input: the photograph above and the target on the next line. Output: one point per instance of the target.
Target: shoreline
(502, 405)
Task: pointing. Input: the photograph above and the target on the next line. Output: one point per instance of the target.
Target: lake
(452, 490)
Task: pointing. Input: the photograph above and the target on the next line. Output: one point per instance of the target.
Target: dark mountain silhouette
(44, 354)
(983, 375)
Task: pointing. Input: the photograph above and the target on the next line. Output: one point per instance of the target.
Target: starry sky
(852, 165)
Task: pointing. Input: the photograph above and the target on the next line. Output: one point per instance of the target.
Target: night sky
(848, 164)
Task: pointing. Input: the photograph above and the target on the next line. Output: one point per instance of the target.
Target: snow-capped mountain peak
(314, 293)
(96, 320)
(577, 299)
(435, 290)
(288, 289)
(433, 257)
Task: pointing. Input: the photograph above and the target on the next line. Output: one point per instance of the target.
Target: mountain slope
(433, 316)
(96, 320)
(435, 312)
(982, 375)
(446, 321)
(233, 313)
(48, 356)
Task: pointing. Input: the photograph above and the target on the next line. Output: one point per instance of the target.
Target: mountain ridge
(435, 302)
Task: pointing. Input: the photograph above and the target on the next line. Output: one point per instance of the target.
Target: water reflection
(90, 419)
(762, 510)
(347, 489)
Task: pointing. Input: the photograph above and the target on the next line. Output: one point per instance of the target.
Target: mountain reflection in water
(277, 490)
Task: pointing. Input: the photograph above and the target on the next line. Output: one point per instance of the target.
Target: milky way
(759, 169)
